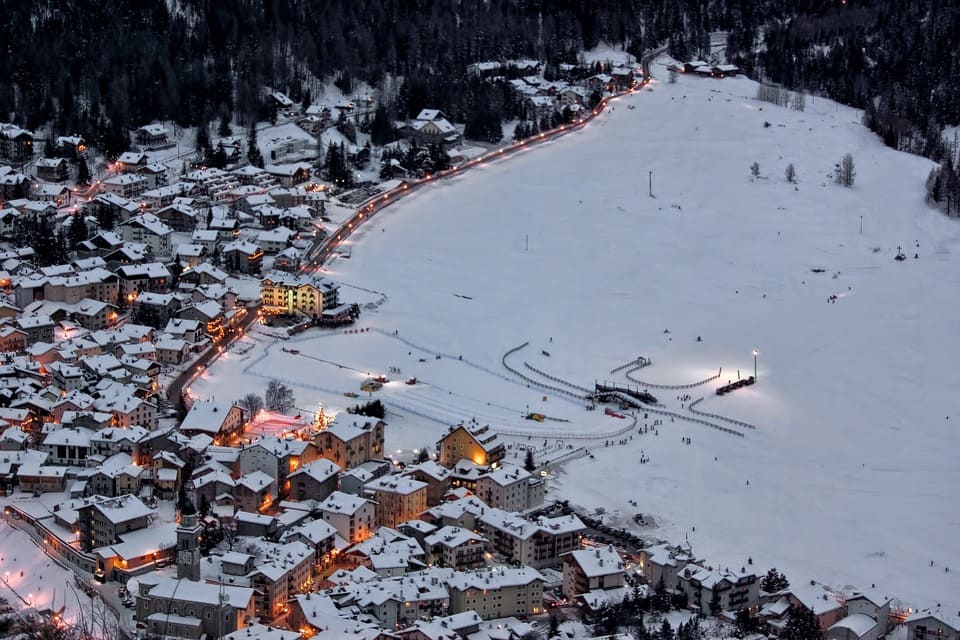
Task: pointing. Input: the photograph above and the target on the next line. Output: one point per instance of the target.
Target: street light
(755, 352)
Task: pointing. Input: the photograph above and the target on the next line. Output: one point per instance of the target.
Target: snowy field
(850, 476)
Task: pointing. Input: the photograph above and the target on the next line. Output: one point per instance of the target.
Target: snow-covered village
(667, 354)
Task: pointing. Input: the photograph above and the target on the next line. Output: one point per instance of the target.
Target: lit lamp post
(755, 352)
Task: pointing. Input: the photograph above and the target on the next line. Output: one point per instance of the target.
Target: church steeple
(188, 544)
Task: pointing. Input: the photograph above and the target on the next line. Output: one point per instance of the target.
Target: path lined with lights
(317, 255)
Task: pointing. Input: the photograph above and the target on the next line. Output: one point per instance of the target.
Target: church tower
(188, 544)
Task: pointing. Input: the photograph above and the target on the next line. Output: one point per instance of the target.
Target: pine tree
(254, 156)
(83, 172)
(528, 462)
(381, 128)
(203, 140)
(554, 629)
(78, 230)
(715, 604)
(802, 625)
(666, 631)
(774, 581)
(224, 129)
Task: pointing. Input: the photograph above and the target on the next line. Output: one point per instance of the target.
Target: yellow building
(308, 295)
(478, 444)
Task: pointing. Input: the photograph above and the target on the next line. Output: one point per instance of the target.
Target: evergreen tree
(528, 462)
(224, 129)
(715, 608)
(78, 230)
(203, 141)
(182, 409)
(254, 156)
(83, 172)
(381, 128)
(554, 629)
(439, 160)
(666, 631)
(774, 581)
(802, 625)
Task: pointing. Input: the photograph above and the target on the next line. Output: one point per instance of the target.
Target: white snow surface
(852, 466)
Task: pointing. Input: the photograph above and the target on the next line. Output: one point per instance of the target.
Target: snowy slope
(852, 469)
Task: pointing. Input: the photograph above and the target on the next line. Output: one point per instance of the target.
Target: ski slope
(850, 476)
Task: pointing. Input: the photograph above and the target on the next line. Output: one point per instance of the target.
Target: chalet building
(313, 481)
(180, 217)
(71, 147)
(56, 194)
(52, 169)
(148, 229)
(216, 419)
(242, 257)
(587, 570)
(307, 295)
(155, 174)
(433, 127)
(933, 625)
(282, 458)
(455, 547)
(497, 592)
(478, 444)
(663, 563)
(125, 185)
(353, 517)
(349, 444)
(132, 161)
(398, 499)
(716, 591)
(540, 543)
(16, 144)
(101, 520)
(152, 135)
(289, 175)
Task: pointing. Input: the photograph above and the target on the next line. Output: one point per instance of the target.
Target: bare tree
(251, 403)
(278, 397)
(845, 171)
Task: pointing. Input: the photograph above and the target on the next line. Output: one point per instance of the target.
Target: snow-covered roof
(170, 589)
(859, 624)
(120, 509)
(494, 578)
(452, 537)
(154, 129)
(320, 470)
(400, 485)
(598, 561)
(206, 416)
(343, 503)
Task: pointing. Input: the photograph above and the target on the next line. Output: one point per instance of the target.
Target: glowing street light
(755, 352)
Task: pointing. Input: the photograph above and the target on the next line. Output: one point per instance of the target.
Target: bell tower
(188, 544)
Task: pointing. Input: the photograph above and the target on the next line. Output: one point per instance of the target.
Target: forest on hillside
(102, 67)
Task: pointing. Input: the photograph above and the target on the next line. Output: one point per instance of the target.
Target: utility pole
(861, 225)
(651, 182)
(755, 365)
